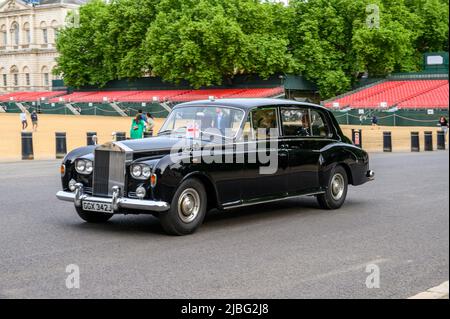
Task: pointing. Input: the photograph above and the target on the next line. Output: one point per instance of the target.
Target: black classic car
(218, 154)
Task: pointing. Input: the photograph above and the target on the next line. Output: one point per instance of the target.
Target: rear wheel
(187, 210)
(93, 217)
(336, 192)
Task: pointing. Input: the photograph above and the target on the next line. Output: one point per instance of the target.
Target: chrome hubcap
(337, 186)
(188, 205)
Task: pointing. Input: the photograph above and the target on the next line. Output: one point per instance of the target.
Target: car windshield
(196, 121)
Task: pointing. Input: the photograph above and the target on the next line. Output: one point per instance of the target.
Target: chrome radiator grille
(109, 171)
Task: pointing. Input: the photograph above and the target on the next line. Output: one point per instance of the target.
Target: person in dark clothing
(34, 120)
(374, 120)
(443, 122)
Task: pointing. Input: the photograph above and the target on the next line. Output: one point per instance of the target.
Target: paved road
(292, 249)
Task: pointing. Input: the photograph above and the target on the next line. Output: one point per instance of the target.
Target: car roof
(247, 103)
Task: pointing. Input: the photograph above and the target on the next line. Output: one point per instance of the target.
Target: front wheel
(187, 210)
(93, 217)
(336, 192)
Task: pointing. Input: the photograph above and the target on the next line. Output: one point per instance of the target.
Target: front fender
(79, 152)
(172, 174)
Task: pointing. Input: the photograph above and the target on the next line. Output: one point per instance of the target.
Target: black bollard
(61, 144)
(120, 136)
(357, 137)
(91, 138)
(440, 140)
(428, 141)
(148, 134)
(27, 146)
(387, 142)
(415, 142)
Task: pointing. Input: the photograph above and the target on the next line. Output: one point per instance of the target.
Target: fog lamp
(72, 184)
(140, 192)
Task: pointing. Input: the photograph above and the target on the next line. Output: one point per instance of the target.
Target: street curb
(439, 292)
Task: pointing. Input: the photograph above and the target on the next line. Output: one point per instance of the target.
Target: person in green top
(137, 127)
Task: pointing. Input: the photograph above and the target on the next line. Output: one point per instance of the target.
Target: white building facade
(28, 30)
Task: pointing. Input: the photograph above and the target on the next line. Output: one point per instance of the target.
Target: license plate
(97, 207)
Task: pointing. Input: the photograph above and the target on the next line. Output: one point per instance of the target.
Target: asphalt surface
(290, 249)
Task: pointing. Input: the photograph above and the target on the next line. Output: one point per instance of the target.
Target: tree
(207, 42)
(321, 38)
(433, 28)
(129, 22)
(83, 47)
(388, 46)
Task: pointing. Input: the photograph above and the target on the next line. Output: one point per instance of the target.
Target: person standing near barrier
(144, 118)
(23, 119)
(150, 122)
(443, 122)
(34, 120)
(374, 120)
(137, 127)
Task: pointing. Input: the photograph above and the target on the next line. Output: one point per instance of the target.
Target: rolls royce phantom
(216, 154)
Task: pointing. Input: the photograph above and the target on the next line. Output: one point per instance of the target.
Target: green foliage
(83, 55)
(208, 42)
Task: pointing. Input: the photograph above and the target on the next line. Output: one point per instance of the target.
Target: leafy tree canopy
(208, 42)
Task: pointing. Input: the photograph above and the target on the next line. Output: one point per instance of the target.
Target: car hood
(158, 143)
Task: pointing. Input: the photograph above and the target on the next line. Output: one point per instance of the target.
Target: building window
(45, 35)
(5, 80)
(27, 79)
(56, 32)
(15, 33)
(3, 36)
(46, 79)
(26, 28)
(16, 79)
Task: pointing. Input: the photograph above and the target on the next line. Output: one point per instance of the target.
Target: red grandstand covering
(165, 95)
(29, 96)
(437, 98)
(149, 96)
(393, 93)
(228, 93)
(205, 94)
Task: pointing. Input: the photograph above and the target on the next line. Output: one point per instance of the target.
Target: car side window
(319, 128)
(295, 121)
(248, 133)
(264, 123)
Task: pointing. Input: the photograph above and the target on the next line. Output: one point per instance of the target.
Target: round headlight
(136, 171)
(146, 171)
(83, 166)
(88, 167)
(80, 166)
(140, 192)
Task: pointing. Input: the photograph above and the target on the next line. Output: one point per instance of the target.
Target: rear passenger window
(303, 122)
(295, 122)
(264, 123)
(318, 125)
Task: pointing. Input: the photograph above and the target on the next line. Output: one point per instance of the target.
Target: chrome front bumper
(370, 175)
(117, 202)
